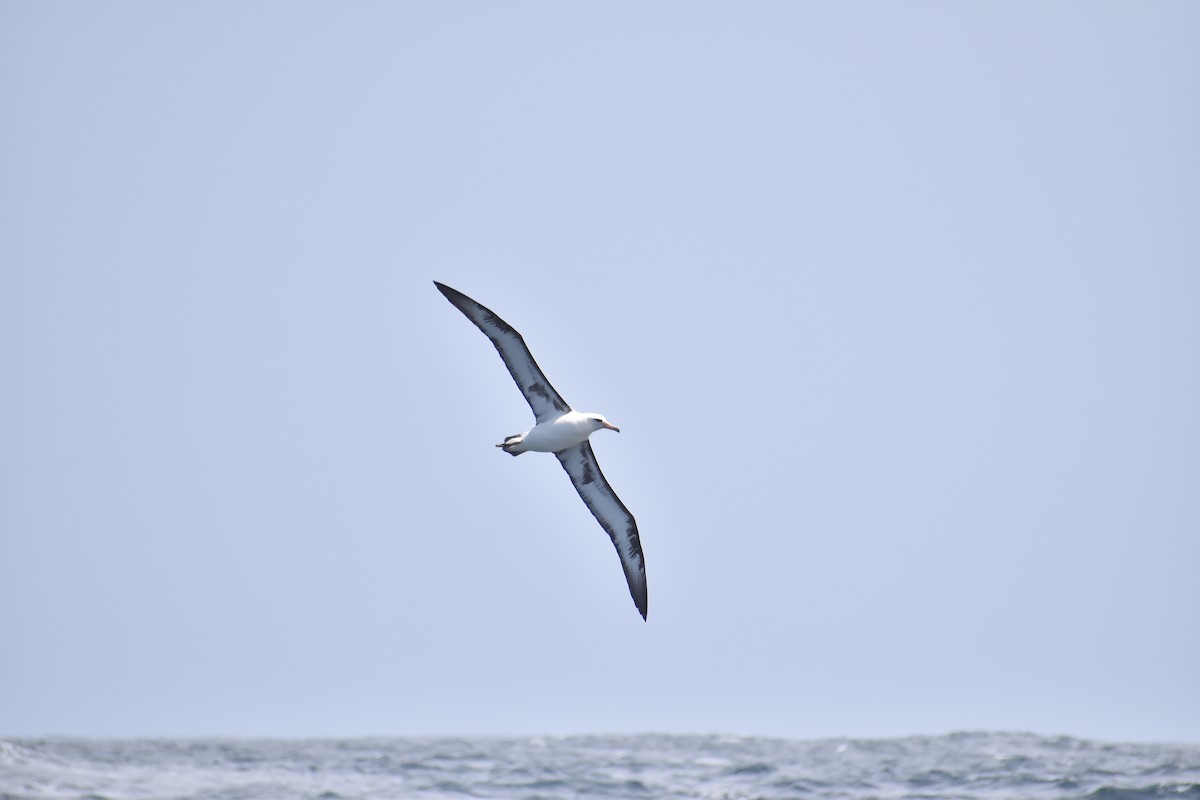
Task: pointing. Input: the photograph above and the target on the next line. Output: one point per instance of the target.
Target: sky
(896, 306)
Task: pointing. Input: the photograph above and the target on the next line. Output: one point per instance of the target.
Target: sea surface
(961, 765)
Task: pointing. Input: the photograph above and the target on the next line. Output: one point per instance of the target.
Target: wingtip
(643, 604)
(456, 298)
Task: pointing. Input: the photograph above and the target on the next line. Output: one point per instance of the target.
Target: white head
(598, 421)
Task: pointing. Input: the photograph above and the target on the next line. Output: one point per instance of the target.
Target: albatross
(563, 431)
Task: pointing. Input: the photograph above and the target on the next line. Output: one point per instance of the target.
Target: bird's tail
(511, 443)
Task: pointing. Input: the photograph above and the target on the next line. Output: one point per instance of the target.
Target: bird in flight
(564, 432)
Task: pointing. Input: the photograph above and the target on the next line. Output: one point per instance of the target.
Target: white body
(551, 436)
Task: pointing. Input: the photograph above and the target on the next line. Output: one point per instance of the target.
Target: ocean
(960, 765)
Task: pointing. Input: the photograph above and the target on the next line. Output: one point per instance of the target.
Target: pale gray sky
(896, 306)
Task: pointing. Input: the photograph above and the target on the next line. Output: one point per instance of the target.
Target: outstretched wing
(580, 463)
(541, 396)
